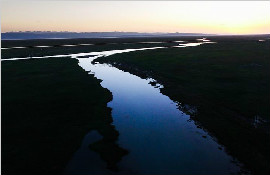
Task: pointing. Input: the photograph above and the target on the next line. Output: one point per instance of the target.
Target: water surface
(160, 138)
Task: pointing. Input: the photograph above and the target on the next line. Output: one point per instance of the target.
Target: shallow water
(68, 45)
(84, 160)
(160, 138)
(189, 45)
(75, 45)
(78, 55)
(151, 42)
(18, 47)
(86, 44)
(178, 41)
(201, 41)
(43, 46)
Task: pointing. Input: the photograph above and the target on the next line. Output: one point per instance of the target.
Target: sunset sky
(226, 17)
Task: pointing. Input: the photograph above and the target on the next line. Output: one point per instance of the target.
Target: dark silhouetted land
(50, 104)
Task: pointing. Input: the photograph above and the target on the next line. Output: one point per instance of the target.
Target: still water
(160, 138)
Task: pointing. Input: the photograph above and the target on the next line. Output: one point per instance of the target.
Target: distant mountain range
(68, 35)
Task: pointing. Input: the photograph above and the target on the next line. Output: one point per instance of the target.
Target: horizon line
(131, 32)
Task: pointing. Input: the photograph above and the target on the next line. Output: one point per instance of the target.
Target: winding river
(160, 138)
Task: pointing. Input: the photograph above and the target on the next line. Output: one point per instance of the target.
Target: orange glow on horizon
(228, 17)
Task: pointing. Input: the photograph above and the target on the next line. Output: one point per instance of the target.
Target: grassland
(57, 47)
(228, 82)
(48, 106)
(99, 44)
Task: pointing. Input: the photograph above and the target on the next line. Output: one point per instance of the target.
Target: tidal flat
(201, 109)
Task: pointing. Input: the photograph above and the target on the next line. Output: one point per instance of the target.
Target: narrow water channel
(160, 138)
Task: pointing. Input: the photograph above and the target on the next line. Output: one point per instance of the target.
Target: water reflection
(189, 45)
(85, 55)
(85, 160)
(151, 42)
(160, 138)
(201, 41)
(43, 46)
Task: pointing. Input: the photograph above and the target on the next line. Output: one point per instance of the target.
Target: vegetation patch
(227, 82)
(48, 106)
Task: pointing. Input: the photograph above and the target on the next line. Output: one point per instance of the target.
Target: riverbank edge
(45, 147)
(241, 149)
